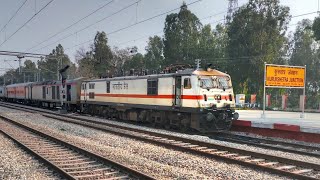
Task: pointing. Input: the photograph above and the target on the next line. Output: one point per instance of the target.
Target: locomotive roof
(19, 84)
(211, 72)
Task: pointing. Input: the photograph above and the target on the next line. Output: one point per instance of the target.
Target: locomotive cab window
(91, 86)
(152, 86)
(108, 86)
(187, 83)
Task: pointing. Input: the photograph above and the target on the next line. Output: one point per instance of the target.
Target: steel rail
(268, 143)
(225, 136)
(274, 164)
(134, 174)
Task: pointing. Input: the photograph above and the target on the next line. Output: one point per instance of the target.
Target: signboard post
(282, 76)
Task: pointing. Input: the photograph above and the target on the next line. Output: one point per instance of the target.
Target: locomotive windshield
(215, 82)
(206, 83)
(223, 83)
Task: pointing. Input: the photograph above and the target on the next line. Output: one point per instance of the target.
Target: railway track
(273, 164)
(268, 143)
(301, 149)
(70, 161)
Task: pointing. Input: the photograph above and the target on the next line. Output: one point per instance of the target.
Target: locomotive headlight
(217, 97)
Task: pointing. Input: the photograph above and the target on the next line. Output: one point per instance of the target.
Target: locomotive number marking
(119, 86)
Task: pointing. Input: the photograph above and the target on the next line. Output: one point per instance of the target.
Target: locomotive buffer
(63, 73)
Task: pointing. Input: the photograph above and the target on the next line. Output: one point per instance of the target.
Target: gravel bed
(159, 162)
(17, 164)
(229, 144)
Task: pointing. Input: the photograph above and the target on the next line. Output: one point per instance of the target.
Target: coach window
(152, 87)
(108, 86)
(187, 83)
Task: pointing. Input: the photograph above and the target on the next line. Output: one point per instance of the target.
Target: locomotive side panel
(147, 92)
(37, 92)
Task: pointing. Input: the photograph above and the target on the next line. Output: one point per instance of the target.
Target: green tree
(305, 52)
(154, 53)
(136, 63)
(119, 59)
(316, 28)
(102, 55)
(85, 63)
(29, 70)
(207, 44)
(181, 36)
(256, 35)
(56, 60)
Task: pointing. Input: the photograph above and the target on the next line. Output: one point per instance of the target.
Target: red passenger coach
(17, 92)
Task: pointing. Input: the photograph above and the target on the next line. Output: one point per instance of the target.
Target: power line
(68, 27)
(212, 24)
(26, 23)
(13, 15)
(156, 33)
(139, 22)
(153, 34)
(71, 34)
(305, 14)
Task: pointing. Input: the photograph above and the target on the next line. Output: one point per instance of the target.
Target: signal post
(63, 73)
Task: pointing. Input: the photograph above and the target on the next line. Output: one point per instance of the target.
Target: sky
(60, 14)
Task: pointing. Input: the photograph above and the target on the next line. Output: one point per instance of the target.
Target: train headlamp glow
(217, 97)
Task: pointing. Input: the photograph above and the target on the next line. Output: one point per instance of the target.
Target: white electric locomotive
(202, 100)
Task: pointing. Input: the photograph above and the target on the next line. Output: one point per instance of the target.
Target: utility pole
(20, 57)
(63, 93)
(59, 61)
(233, 4)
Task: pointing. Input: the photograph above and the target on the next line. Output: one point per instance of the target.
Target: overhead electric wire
(212, 24)
(65, 37)
(26, 22)
(139, 22)
(304, 14)
(68, 27)
(13, 15)
(156, 33)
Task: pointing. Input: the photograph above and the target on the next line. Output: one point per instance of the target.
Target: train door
(177, 91)
(68, 92)
(30, 92)
(26, 93)
(84, 87)
(44, 92)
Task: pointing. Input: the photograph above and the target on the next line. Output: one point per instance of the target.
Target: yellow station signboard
(285, 76)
